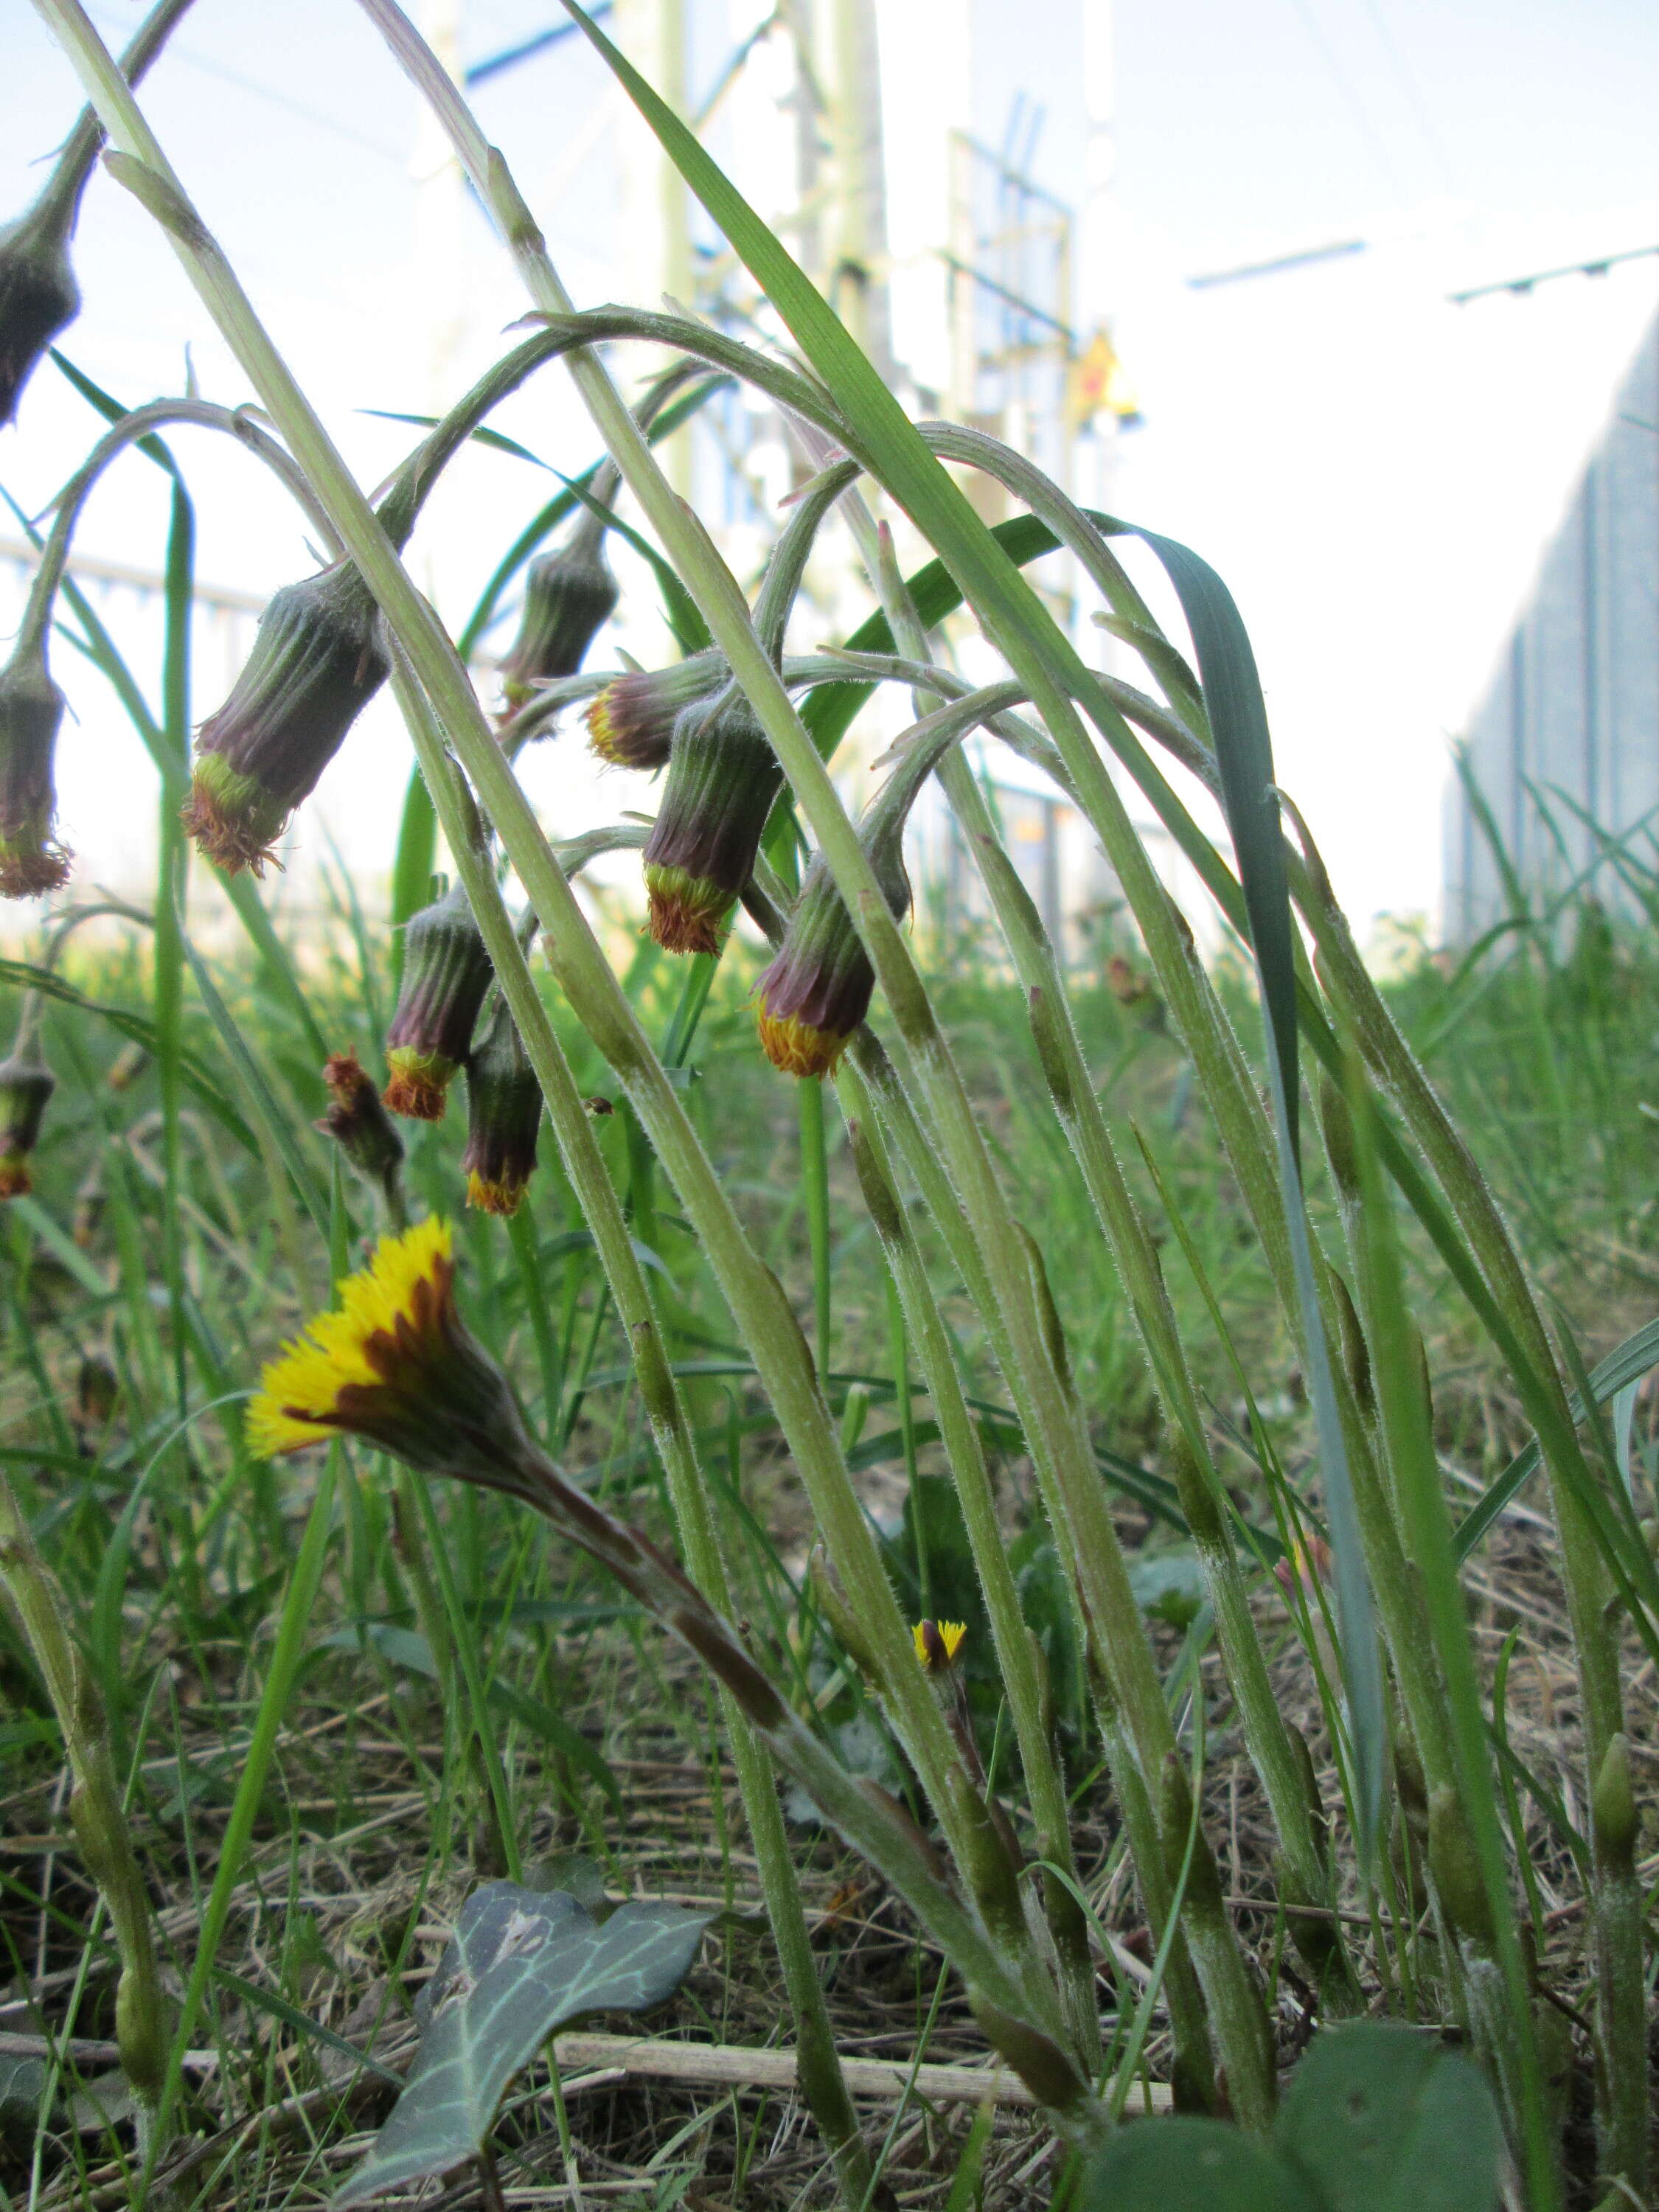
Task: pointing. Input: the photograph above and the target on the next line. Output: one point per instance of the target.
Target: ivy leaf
(521, 1963)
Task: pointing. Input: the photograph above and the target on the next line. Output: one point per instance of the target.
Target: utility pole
(440, 215)
(856, 261)
(656, 205)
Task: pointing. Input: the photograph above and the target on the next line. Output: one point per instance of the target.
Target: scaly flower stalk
(821, 2080)
(1019, 1660)
(1306, 1879)
(39, 295)
(95, 1809)
(1093, 1557)
(761, 1313)
(871, 1092)
(394, 1364)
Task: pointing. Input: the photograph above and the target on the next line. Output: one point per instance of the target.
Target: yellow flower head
(1305, 1566)
(392, 1363)
(796, 1047)
(938, 1642)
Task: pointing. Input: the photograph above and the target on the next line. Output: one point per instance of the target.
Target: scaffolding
(1009, 258)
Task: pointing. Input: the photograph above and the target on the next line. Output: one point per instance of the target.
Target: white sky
(1374, 471)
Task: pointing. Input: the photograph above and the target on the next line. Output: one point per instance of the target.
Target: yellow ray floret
(332, 1355)
(938, 1642)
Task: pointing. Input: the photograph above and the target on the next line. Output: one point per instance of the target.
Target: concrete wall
(1571, 717)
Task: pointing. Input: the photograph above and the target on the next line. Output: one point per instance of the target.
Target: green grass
(1178, 1393)
(374, 1819)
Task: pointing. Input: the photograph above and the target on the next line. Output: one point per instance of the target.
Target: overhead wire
(1413, 97)
(1356, 107)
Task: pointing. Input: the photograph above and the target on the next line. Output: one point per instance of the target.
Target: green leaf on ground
(1378, 2118)
(520, 1964)
(1383, 2118)
(1191, 2166)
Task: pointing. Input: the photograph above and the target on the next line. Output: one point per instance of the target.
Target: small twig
(88, 2050)
(732, 2065)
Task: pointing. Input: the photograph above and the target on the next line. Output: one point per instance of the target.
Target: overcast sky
(1374, 469)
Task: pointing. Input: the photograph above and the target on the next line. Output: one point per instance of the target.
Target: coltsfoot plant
(1033, 1778)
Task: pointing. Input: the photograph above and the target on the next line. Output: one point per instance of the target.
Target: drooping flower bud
(503, 1115)
(816, 992)
(631, 722)
(32, 862)
(569, 597)
(817, 988)
(26, 1084)
(358, 1122)
(39, 295)
(317, 662)
(446, 972)
(723, 776)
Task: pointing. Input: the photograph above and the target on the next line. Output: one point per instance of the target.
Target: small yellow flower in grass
(938, 1642)
(1307, 1565)
(392, 1363)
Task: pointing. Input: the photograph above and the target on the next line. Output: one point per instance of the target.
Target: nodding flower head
(503, 1116)
(24, 1087)
(392, 1363)
(630, 724)
(32, 862)
(317, 662)
(723, 776)
(817, 990)
(39, 295)
(569, 597)
(358, 1122)
(937, 1644)
(446, 972)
